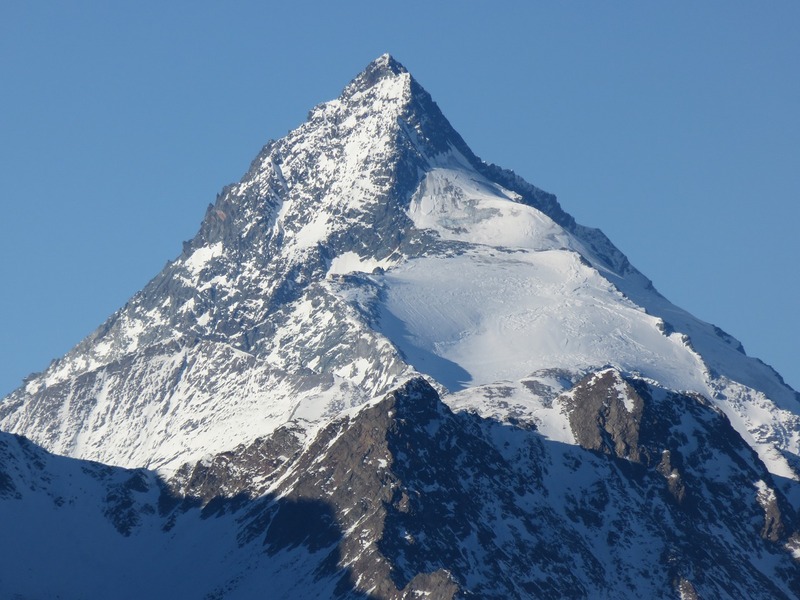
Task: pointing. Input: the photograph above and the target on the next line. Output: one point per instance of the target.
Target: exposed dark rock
(673, 476)
(246, 469)
(605, 413)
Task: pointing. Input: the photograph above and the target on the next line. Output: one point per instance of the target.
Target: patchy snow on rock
(199, 259)
(350, 262)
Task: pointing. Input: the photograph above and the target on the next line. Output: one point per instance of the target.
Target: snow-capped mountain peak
(368, 245)
(385, 66)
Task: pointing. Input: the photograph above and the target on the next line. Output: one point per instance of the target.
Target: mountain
(385, 368)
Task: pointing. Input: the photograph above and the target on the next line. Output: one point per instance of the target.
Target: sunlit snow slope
(367, 245)
(528, 295)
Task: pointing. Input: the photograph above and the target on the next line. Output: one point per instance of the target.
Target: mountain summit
(376, 331)
(383, 66)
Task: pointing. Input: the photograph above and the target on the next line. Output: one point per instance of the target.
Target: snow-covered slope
(529, 295)
(368, 245)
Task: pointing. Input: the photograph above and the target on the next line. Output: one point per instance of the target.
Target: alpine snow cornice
(368, 246)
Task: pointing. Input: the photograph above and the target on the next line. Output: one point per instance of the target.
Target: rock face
(384, 368)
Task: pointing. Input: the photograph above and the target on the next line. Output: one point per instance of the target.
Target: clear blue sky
(674, 127)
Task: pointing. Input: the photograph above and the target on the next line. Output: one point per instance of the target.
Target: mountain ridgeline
(384, 368)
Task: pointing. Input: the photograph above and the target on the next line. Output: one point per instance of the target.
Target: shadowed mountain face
(385, 368)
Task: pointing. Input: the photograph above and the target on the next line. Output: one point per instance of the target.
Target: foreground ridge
(404, 497)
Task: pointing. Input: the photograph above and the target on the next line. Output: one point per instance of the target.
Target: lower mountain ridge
(403, 498)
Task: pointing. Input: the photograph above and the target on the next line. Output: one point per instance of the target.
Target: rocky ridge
(404, 497)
